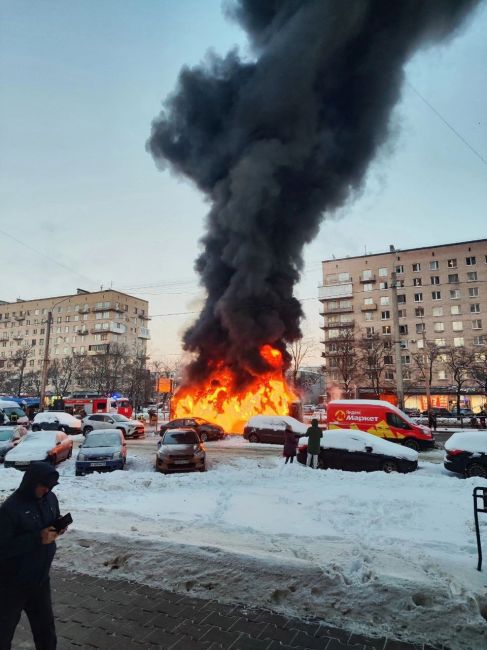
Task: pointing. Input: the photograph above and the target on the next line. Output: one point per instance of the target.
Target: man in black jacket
(27, 548)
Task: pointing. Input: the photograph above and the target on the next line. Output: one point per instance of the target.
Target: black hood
(38, 473)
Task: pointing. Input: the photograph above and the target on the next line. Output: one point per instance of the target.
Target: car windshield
(118, 418)
(102, 440)
(180, 438)
(6, 434)
(13, 410)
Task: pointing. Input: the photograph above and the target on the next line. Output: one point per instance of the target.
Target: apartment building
(82, 323)
(442, 297)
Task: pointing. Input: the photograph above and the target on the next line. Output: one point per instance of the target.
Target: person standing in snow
(290, 444)
(27, 548)
(314, 435)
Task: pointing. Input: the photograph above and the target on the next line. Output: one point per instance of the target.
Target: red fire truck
(100, 404)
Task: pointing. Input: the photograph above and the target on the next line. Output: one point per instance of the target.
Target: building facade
(441, 299)
(85, 323)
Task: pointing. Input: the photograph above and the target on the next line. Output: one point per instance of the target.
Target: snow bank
(387, 554)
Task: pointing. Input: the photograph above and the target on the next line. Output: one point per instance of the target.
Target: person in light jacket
(290, 444)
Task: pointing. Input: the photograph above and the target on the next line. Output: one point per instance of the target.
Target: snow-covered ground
(387, 554)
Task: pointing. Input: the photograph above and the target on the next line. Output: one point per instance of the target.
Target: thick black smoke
(277, 143)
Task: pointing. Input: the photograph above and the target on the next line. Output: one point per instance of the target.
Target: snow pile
(388, 554)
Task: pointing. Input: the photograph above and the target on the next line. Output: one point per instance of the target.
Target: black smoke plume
(279, 141)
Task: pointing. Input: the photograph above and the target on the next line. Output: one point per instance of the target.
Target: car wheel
(203, 437)
(36, 427)
(411, 443)
(389, 466)
(253, 437)
(476, 469)
(87, 430)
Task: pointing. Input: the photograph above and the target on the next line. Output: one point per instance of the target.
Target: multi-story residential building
(441, 294)
(82, 323)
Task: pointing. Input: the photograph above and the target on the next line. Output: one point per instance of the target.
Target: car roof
(180, 430)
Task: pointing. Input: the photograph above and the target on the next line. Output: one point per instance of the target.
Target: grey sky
(80, 84)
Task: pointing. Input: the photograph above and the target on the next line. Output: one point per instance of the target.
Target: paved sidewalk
(120, 615)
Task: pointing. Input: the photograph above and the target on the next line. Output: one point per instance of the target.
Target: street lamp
(45, 361)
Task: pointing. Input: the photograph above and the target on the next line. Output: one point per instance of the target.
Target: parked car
(65, 421)
(103, 450)
(270, 428)
(466, 453)
(8, 439)
(180, 450)
(130, 428)
(464, 413)
(357, 451)
(440, 412)
(51, 446)
(412, 412)
(9, 408)
(206, 430)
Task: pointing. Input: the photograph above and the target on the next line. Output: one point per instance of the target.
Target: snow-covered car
(12, 412)
(8, 440)
(180, 450)
(206, 430)
(97, 421)
(64, 421)
(270, 428)
(466, 453)
(103, 450)
(51, 446)
(357, 451)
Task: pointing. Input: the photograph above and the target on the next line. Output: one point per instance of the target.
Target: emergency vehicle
(90, 405)
(380, 418)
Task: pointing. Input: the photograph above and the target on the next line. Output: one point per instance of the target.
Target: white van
(8, 408)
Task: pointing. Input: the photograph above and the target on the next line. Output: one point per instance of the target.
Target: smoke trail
(278, 142)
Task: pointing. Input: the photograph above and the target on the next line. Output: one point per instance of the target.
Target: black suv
(466, 453)
(206, 430)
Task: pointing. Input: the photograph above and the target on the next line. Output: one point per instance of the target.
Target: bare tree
(298, 350)
(459, 362)
(342, 356)
(374, 353)
(19, 361)
(105, 371)
(479, 369)
(32, 382)
(424, 362)
(63, 373)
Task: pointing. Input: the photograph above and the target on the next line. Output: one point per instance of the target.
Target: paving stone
(402, 645)
(369, 642)
(221, 637)
(279, 634)
(245, 642)
(252, 628)
(165, 622)
(159, 637)
(223, 622)
(303, 640)
(187, 643)
(277, 645)
(333, 633)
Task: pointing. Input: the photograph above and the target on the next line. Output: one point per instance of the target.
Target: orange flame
(218, 400)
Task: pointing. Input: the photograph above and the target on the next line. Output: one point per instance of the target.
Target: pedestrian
(314, 434)
(433, 421)
(27, 548)
(290, 444)
(482, 415)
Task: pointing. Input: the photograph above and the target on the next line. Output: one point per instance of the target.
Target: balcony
(335, 291)
(326, 311)
(19, 317)
(331, 325)
(84, 310)
(371, 278)
(372, 307)
(112, 326)
(82, 331)
(17, 337)
(144, 317)
(143, 333)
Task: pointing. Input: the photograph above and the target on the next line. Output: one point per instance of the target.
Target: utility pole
(397, 342)
(428, 373)
(45, 362)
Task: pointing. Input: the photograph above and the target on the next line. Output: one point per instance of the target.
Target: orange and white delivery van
(381, 419)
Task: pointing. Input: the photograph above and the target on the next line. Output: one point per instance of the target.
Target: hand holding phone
(63, 522)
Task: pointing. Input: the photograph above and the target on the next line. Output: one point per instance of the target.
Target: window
(383, 272)
(452, 264)
(388, 360)
(384, 300)
(455, 310)
(403, 329)
(477, 324)
(436, 295)
(406, 359)
(475, 308)
(457, 326)
(441, 374)
(400, 268)
(420, 328)
(454, 294)
(440, 343)
(386, 329)
(458, 341)
(419, 311)
(389, 374)
(472, 276)
(368, 287)
(453, 278)
(401, 299)
(437, 311)
(417, 282)
(420, 344)
(400, 284)
(471, 261)
(368, 315)
(418, 297)
(369, 332)
(383, 285)
(367, 274)
(434, 265)
(403, 345)
(368, 301)
(473, 292)
(401, 313)
(416, 267)
(385, 315)
(439, 327)
(480, 340)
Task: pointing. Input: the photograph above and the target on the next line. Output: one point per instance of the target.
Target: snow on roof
(277, 422)
(472, 441)
(355, 440)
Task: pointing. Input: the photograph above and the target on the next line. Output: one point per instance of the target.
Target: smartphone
(63, 522)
